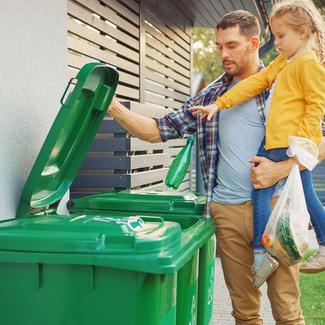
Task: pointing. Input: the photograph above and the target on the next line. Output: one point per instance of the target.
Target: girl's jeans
(262, 200)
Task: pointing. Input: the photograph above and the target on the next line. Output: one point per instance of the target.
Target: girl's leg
(317, 217)
(261, 198)
(264, 263)
(262, 210)
(315, 207)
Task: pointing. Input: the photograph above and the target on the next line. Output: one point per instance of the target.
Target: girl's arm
(313, 83)
(252, 86)
(244, 90)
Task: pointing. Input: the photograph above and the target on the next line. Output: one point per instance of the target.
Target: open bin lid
(69, 138)
(141, 201)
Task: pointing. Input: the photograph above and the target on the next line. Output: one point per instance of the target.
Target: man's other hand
(266, 173)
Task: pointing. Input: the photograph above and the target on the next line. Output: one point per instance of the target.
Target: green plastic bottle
(179, 166)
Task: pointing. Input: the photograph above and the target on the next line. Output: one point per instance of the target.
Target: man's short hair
(248, 24)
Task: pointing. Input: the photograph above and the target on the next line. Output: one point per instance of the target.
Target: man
(228, 144)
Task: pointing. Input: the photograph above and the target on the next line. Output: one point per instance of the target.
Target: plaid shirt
(181, 122)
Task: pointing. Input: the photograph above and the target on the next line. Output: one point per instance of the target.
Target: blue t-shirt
(241, 132)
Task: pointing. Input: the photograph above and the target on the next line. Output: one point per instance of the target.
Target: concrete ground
(222, 303)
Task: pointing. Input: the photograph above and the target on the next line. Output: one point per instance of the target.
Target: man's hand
(114, 105)
(204, 111)
(266, 173)
(142, 127)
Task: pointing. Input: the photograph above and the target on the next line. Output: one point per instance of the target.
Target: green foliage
(205, 54)
(269, 56)
(313, 298)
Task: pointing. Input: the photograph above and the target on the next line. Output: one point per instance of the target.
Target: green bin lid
(137, 243)
(91, 234)
(141, 201)
(69, 138)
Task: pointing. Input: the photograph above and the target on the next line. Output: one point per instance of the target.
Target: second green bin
(182, 208)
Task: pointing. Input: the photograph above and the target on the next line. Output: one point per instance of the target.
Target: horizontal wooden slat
(146, 109)
(158, 56)
(122, 10)
(151, 160)
(160, 24)
(102, 181)
(76, 60)
(175, 20)
(86, 16)
(171, 54)
(96, 53)
(172, 152)
(114, 144)
(173, 16)
(125, 162)
(106, 163)
(147, 177)
(150, 74)
(165, 91)
(161, 186)
(162, 101)
(166, 41)
(127, 92)
(156, 66)
(139, 145)
(102, 40)
(109, 125)
(134, 5)
(110, 15)
(131, 144)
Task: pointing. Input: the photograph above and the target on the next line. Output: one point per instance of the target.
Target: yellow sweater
(298, 101)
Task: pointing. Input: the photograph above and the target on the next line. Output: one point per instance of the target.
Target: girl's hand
(205, 111)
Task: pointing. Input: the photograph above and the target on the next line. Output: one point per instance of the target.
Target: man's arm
(141, 127)
(268, 172)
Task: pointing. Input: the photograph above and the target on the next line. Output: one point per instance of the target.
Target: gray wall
(33, 73)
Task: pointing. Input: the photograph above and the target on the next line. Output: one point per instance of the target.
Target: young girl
(295, 107)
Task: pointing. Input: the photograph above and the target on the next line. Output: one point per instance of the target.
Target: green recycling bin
(80, 268)
(177, 207)
(89, 269)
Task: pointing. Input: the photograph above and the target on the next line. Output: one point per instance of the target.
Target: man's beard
(243, 62)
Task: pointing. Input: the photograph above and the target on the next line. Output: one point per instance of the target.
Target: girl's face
(287, 40)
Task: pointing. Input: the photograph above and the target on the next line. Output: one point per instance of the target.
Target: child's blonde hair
(303, 15)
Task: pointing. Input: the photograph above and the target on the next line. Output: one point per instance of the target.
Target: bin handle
(151, 218)
(66, 89)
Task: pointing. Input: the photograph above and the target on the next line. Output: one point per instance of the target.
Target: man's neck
(252, 68)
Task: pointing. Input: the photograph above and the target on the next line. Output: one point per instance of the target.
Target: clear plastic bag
(305, 151)
(286, 234)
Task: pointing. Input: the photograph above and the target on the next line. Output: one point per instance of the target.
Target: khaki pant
(234, 232)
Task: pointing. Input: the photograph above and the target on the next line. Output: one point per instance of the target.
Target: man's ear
(255, 43)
